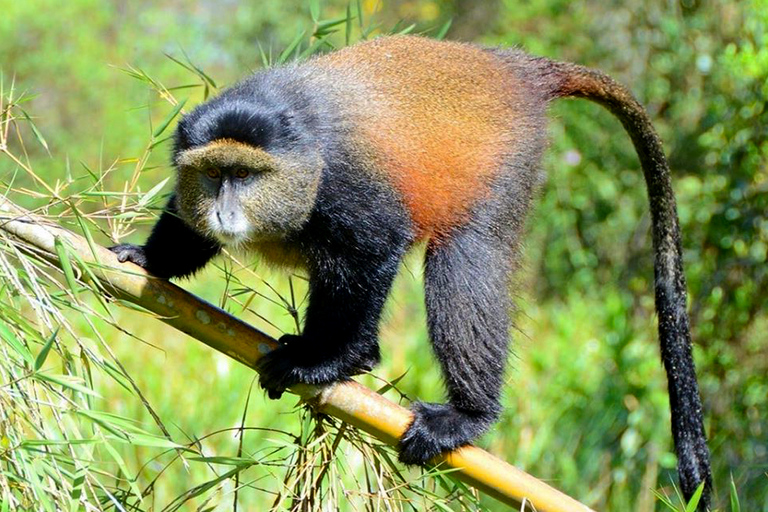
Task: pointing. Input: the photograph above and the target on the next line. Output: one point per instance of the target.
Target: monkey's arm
(173, 249)
(340, 335)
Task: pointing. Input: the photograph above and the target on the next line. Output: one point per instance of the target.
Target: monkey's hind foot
(440, 428)
(295, 362)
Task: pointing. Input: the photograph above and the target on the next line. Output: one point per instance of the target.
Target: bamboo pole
(348, 401)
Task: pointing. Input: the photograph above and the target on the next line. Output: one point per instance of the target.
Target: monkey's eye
(213, 173)
(241, 173)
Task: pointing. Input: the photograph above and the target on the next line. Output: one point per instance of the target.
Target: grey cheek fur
(279, 202)
(194, 200)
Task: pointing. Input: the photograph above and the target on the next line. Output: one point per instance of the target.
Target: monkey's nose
(228, 216)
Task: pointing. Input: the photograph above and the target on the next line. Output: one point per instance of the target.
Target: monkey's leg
(340, 336)
(173, 249)
(467, 301)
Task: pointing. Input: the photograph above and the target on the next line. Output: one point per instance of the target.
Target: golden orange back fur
(439, 121)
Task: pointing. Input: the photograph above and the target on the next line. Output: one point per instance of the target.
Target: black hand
(173, 249)
(130, 252)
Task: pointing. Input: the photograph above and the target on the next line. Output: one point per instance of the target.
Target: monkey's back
(439, 120)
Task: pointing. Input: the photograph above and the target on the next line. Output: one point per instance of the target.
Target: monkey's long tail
(571, 80)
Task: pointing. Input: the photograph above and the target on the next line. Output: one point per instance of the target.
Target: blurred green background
(586, 406)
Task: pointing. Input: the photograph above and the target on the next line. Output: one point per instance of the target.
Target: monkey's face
(239, 194)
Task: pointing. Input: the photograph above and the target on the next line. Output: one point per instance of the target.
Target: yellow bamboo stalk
(349, 401)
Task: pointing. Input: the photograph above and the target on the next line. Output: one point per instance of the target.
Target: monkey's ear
(287, 124)
(287, 118)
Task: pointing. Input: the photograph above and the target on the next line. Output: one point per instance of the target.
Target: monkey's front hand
(130, 252)
(299, 361)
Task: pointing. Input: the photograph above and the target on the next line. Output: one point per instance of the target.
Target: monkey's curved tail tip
(571, 80)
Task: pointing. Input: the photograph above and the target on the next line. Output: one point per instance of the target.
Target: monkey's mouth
(230, 231)
(230, 239)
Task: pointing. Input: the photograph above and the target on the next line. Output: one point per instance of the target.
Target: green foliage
(64, 447)
(90, 414)
(701, 68)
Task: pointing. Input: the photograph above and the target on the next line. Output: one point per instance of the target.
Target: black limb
(466, 292)
(340, 335)
(354, 247)
(173, 249)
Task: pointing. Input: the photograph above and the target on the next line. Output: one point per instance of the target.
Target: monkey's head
(244, 175)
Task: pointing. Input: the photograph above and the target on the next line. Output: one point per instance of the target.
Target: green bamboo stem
(349, 401)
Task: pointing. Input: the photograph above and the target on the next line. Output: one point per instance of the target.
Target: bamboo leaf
(151, 441)
(146, 198)
(123, 469)
(391, 384)
(77, 488)
(35, 131)
(116, 375)
(665, 500)
(92, 281)
(33, 472)
(113, 419)
(32, 443)
(120, 434)
(360, 15)
(694, 501)
(227, 461)
(160, 129)
(265, 60)
(324, 28)
(15, 344)
(442, 506)
(291, 47)
(314, 10)
(444, 29)
(43, 355)
(202, 488)
(183, 87)
(128, 215)
(101, 193)
(406, 30)
(86, 233)
(348, 25)
(66, 381)
(157, 142)
(206, 78)
(317, 43)
(734, 495)
(66, 265)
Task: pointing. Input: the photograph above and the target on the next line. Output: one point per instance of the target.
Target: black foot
(295, 362)
(439, 428)
(130, 252)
